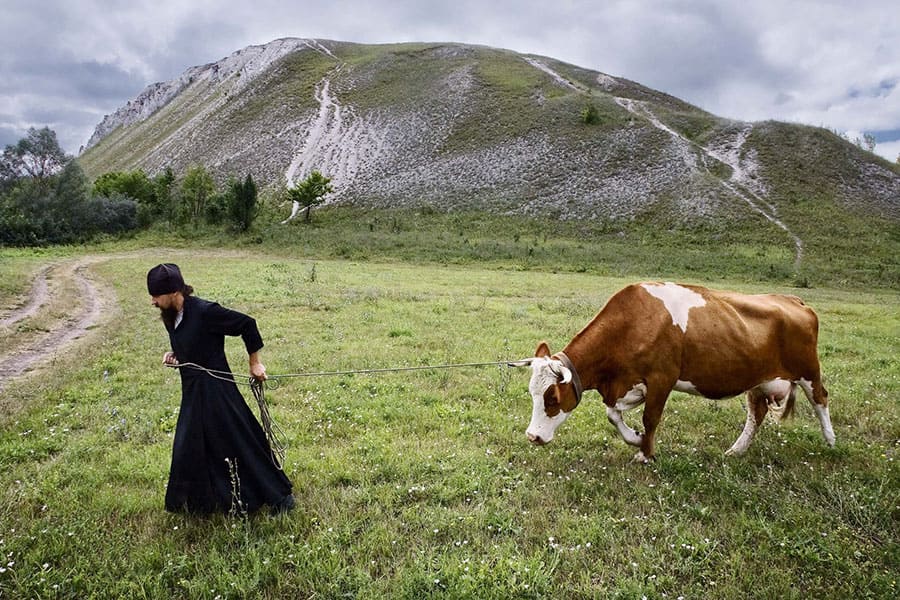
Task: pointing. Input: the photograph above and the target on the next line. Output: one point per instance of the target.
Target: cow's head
(554, 395)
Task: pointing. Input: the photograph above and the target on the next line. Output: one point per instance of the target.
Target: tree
(196, 189)
(242, 203)
(72, 186)
(114, 210)
(36, 156)
(133, 184)
(163, 184)
(309, 192)
(46, 197)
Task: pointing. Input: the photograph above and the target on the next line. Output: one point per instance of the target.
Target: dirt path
(63, 305)
(64, 308)
(735, 184)
(738, 184)
(36, 297)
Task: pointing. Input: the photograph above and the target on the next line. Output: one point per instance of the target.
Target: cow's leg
(628, 434)
(757, 407)
(653, 409)
(818, 397)
(632, 399)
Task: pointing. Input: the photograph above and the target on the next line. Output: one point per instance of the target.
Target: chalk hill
(454, 126)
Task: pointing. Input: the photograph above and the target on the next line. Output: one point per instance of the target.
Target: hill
(454, 127)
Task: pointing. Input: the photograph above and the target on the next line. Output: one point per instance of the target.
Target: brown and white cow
(651, 338)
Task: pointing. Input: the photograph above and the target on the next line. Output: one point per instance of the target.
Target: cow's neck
(582, 352)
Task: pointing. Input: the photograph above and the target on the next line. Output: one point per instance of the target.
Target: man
(221, 459)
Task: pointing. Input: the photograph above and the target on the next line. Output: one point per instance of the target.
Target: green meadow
(422, 484)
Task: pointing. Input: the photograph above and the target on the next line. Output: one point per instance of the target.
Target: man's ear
(543, 350)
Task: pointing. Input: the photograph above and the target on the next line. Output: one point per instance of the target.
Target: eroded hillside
(453, 126)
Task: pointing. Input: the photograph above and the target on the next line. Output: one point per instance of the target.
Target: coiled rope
(275, 435)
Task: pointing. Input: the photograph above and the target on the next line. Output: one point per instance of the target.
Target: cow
(652, 338)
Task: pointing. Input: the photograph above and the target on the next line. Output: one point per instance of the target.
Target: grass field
(422, 484)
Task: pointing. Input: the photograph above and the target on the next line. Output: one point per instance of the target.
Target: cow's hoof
(640, 458)
(735, 451)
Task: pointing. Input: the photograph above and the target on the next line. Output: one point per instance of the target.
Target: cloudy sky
(831, 63)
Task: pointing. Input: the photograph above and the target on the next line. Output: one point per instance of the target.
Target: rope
(273, 432)
(393, 369)
(276, 437)
(272, 380)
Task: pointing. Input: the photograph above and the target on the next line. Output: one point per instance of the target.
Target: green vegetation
(590, 115)
(843, 245)
(422, 484)
(45, 197)
(243, 207)
(650, 248)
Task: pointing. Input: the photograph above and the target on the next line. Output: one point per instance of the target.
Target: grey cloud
(69, 78)
(8, 135)
(202, 41)
(736, 58)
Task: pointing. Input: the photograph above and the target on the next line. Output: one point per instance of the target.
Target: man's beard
(168, 316)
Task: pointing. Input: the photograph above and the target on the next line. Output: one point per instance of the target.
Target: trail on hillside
(739, 183)
(736, 182)
(335, 141)
(318, 46)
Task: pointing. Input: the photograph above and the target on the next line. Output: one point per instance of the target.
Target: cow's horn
(520, 363)
(558, 368)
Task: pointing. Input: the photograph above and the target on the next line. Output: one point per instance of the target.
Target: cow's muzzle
(535, 439)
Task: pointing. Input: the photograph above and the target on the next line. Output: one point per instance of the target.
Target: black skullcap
(164, 279)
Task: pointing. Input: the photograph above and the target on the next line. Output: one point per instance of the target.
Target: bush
(109, 215)
(590, 115)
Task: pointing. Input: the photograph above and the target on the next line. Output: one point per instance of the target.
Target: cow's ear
(543, 350)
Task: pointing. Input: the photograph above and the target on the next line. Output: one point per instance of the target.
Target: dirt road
(62, 306)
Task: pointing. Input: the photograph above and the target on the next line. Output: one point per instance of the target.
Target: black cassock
(220, 452)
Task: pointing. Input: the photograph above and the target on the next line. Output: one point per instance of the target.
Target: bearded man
(221, 459)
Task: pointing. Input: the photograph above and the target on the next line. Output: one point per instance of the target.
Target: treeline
(45, 197)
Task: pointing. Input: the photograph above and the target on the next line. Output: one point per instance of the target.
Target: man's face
(163, 301)
(168, 308)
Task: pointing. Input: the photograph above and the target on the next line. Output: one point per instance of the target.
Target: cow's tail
(783, 408)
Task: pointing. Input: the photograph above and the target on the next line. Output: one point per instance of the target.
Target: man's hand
(169, 358)
(257, 369)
